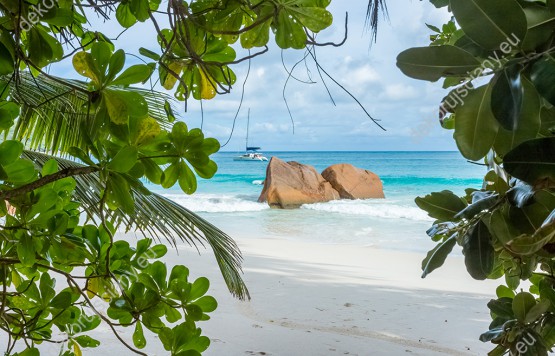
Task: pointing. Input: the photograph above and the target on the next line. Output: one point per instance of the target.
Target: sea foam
(213, 203)
(374, 208)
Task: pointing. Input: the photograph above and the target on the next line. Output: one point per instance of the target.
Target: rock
(292, 184)
(353, 183)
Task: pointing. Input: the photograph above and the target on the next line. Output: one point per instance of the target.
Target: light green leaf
(10, 151)
(135, 74)
(124, 160)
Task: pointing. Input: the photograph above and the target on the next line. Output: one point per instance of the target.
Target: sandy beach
(317, 299)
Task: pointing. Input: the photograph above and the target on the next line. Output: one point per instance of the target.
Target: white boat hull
(250, 159)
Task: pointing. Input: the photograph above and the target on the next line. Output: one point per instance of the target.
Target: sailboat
(251, 154)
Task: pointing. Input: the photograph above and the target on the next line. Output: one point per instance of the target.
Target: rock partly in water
(292, 184)
(353, 183)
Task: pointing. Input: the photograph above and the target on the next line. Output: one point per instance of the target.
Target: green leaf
(432, 63)
(289, 32)
(490, 23)
(149, 54)
(140, 9)
(135, 74)
(50, 167)
(259, 36)
(119, 192)
(26, 250)
(208, 170)
(506, 97)
(29, 352)
(123, 104)
(437, 256)
(10, 151)
(187, 179)
(504, 292)
(20, 171)
(522, 303)
(527, 245)
(124, 160)
(62, 301)
(117, 61)
(59, 17)
(84, 64)
(124, 15)
(527, 125)
(532, 161)
(170, 175)
(6, 61)
(315, 19)
(537, 311)
(86, 341)
(541, 23)
(207, 303)
(442, 205)
(44, 49)
(9, 111)
(481, 200)
(475, 125)
(153, 172)
(542, 75)
(478, 251)
(199, 288)
(139, 337)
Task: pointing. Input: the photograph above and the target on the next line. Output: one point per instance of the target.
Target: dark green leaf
(442, 205)
(437, 256)
(506, 97)
(527, 125)
(522, 303)
(432, 63)
(478, 251)
(490, 23)
(543, 76)
(474, 117)
(532, 161)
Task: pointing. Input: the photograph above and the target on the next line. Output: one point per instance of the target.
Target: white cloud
(399, 91)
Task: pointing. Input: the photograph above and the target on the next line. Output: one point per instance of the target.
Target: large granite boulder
(353, 183)
(292, 184)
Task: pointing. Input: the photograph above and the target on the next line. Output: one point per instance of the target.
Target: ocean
(229, 200)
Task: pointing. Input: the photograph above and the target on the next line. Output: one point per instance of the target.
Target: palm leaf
(157, 216)
(55, 113)
(375, 7)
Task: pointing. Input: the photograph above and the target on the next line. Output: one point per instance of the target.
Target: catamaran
(251, 153)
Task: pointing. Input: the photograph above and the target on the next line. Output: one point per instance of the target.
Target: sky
(407, 108)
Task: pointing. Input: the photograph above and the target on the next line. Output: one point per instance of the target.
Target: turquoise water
(229, 200)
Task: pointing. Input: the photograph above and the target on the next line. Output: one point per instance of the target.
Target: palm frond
(157, 216)
(375, 7)
(55, 111)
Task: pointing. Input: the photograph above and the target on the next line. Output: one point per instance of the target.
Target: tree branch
(64, 173)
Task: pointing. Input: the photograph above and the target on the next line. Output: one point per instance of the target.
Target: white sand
(311, 299)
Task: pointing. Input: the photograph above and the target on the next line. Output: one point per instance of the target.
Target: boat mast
(248, 122)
